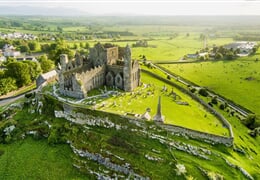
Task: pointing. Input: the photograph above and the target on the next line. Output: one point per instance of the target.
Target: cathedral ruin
(106, 65)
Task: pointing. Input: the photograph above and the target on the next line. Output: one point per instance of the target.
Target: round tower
(127, 69)
(63, 61)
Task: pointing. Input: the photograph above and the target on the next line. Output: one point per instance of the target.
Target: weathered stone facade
(106, 65)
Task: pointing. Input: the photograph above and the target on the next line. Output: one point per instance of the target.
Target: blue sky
(148, 7)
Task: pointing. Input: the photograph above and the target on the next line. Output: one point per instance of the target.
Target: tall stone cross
(159, 117)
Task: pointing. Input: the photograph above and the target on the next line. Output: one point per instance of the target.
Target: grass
(166, 49)
(232, 79)
(30, 159)
(181, 115)
(33, 159)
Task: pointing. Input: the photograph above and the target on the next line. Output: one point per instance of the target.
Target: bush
(214, 100)
(193, 90)
(250, 121)
(222, 106)
(210, 104)
(203, 92)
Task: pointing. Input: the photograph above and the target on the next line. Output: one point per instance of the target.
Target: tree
(24, 48)
(58, 48)
(2, 74)
(55, 54)
(229, 55)
(84, 52)
(81, 44)
(203, 92)
(250, 121)
(218, 56)
(46, 65)
(254, 50)
(20, 72)
(201, 58)
(7, 84)
(33, 45)
(214, 100)
(75, 46)
(45, 47)
(60, 29)
(9, 60)
(34, 69)
(87, 45)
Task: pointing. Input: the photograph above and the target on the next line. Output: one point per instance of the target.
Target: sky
(147, 7)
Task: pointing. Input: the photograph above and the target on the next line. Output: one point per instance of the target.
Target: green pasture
(165, 49)
(192, 116)
(75, 29)
(30, 159)
(243, 141)
(238, 80)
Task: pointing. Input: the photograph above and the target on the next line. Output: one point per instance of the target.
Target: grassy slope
(30, 159)
(174, 114)
(36, 159)
(227, 78)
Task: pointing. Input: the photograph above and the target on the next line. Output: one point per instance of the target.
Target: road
(212, 94)
(9, 100)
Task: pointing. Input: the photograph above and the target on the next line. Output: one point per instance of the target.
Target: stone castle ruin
(106, 65)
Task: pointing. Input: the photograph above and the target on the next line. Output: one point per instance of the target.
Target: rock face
(102, 67)
(159, 117)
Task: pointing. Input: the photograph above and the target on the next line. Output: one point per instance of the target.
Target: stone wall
(211, 138)
(94, 119)
(196, 98)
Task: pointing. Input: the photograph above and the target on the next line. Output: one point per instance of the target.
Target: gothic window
(109, 78)
(118, 80)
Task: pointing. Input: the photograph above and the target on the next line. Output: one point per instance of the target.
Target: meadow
(238, 80)
(36, 159)
(165, 48)
(30, 158)
(147, 97)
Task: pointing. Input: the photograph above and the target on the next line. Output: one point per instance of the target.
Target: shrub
(214, 100)
(250, 121)
(203, 92)
(222, 106)
(193, 90)
(210, 104)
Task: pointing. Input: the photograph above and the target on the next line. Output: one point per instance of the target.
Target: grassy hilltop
(44, 147)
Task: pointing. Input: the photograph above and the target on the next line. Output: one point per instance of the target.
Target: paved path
(11, 99)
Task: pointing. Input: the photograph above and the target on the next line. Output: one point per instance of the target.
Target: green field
(238, 80)
(31, 159)
(36, 159)
(165, 49)
(192, 116)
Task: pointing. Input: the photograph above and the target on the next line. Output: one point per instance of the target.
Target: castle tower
(159, 117)
(63, 61)
(127, 69)
(78, 59)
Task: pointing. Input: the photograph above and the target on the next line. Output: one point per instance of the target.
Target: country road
(9, 100)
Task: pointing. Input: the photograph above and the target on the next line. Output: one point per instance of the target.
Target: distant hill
(42, 11)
